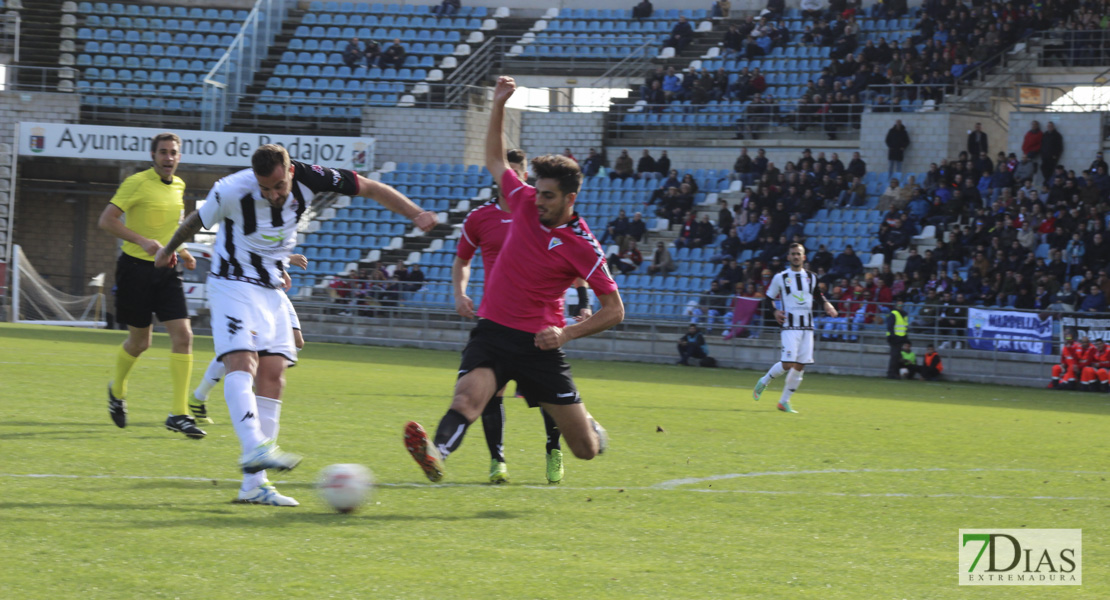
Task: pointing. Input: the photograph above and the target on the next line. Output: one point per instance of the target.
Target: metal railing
(1084, 48)
(751, 121)
(471, 72)
(234, 71)
(31, 79)
(568, 54)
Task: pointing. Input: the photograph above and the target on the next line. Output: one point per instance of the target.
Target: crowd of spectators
(951, 42)
(371, 52)
(365, 291)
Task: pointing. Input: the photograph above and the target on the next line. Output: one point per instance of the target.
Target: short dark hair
(561, 168)
(798, 246)
(163, 137)
(268, 157)
(516, 155)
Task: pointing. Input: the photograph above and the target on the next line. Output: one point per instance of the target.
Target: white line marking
(674, 483)
(654, 488)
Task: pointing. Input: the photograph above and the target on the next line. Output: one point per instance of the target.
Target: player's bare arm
(110, 221)
(299, 260)
(610, 314)
(188, 228)
(460, 278)
(495, 142)
(829, 309)
(395, 201)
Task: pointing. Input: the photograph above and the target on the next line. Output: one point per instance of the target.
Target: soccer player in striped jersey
(521, 328)
(797, 291)
(216, 370)
(485, 228)
(258, 210)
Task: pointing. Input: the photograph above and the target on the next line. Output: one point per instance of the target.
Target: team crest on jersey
(554, 242)
(318, 170)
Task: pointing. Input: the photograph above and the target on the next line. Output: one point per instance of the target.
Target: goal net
(36, 301)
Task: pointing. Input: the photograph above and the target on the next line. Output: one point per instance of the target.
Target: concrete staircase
(38, 44)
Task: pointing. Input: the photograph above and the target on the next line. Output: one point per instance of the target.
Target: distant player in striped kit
(797, 290)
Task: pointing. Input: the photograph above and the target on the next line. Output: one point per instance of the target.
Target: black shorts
(540, 375)
(142, 289)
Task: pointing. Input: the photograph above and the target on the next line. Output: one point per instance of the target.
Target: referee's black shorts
(540, 375)
(143, 289)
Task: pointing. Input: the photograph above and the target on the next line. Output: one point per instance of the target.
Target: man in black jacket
(1052, 148)
(977, 141)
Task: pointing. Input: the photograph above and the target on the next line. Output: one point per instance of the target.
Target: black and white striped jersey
(255, 239)
(797, 290)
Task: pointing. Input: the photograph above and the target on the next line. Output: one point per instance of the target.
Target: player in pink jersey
(485, 228)
(521, 328)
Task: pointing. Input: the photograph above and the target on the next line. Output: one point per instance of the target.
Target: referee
(154, 201)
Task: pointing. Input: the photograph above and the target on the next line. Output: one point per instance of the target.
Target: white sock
(252, 480)
(775, 371)
(269, 414)
(243, 407)
(793, 380)
(212, 375)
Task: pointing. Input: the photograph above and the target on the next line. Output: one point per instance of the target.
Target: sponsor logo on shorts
(234, 325)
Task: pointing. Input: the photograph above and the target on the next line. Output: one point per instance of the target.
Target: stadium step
(38, 44)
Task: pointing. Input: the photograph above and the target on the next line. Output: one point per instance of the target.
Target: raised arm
(495, 142)
(395, 201)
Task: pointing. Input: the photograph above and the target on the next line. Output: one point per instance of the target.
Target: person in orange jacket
(1063, 374)
(933, 367)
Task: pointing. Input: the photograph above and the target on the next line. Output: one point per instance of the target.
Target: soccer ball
(345, 487)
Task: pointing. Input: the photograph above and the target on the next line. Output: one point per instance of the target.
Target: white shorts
(294, 320)
(797, 346)
(250, 318)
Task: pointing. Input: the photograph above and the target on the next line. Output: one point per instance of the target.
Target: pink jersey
(537, 264)
(485, 227)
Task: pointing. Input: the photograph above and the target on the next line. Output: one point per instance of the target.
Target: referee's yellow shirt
(152, 206)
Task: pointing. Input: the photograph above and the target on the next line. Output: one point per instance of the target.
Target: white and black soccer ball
(904, 372)
(345, 487)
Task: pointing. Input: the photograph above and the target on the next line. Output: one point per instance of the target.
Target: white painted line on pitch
(654, 488)
(674, 483)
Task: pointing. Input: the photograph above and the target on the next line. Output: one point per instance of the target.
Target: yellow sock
(181, 370)
(124, 363)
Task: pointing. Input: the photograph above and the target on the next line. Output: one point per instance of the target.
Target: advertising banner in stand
(219, 148)
(1009, 331)
(743, 309)
(1089, 327)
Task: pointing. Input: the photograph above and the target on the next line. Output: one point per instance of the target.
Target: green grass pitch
(859, 497)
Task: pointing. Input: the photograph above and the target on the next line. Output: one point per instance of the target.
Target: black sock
(493, 424)
(449, 434)
(552, 431)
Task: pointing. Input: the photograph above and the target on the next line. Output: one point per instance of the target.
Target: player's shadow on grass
(314, 513)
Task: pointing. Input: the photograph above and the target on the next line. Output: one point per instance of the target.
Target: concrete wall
(1082, 135)
(550, 133)
(16, 107)
(640, 344)
(433, 135)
